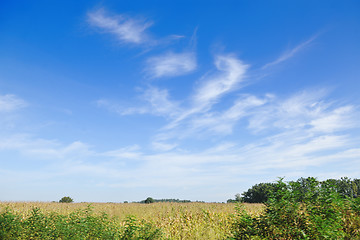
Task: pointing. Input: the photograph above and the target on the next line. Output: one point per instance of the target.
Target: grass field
(176, 220)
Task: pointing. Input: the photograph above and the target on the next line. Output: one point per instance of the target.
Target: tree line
(151, 200)
(261, 192)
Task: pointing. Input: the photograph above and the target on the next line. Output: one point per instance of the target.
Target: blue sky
(115, 101)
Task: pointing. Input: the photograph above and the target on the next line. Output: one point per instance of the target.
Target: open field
(176, 220)
(305, 209)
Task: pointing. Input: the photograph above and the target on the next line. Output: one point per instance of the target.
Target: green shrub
(318, 212)
(81, 224)
(10, 225)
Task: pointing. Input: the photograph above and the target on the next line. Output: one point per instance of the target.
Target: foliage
(259, 193)
(82, 224)
(149, 200)
(66, 200)
(305, 209)
(346, 186)
(176, 220)
(171, 200)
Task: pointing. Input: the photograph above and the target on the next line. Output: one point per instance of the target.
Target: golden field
(177, 220)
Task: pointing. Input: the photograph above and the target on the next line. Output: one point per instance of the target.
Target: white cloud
(231, 73)
(223, 122)
(171, 64)
(9, 103)
(44, 148)
(335, 120)
(126, 29)
(290, 53)
(306, 109)
(160, 102)
(130, 152)
(157, 102)
(162, 146)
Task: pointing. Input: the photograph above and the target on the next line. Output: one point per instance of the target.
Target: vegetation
(151, 200)
(77, 225)
(66, 200)
(175, 220)
(260, 193)
(302, 209)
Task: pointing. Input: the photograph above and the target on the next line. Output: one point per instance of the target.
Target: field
(306, 209)
(176, 220)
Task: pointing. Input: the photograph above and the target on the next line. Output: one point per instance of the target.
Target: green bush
(81, 224)
(319, 212)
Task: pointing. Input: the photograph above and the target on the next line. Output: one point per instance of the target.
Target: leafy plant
(305, 209)
(81, 224)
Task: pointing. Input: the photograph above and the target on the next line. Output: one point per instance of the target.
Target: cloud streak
(9, 103)
(126, 29)
(171, 64)
(290, 53)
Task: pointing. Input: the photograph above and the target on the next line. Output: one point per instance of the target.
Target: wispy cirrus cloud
(9, 103)
(222, 123)
(157, 102)
(231, 73)
(126, 29)
(171, 64)
(44, 148)
(304, 110)
(291, 53)
(296, 131)
(129, 152)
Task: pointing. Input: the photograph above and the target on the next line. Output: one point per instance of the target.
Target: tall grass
(39, 220)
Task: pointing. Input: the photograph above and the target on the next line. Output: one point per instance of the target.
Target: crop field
(173, 220)
(304, 209)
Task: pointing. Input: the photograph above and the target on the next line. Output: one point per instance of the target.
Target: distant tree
(258, 193)
(66, 200)
(149, 200)
(261, 192)
(345, 186)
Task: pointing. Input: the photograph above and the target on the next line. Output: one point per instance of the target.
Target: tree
(149, 200)
(66, 200)
(258, 193)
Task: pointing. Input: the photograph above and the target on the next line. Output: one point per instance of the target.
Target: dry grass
(178, 220)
